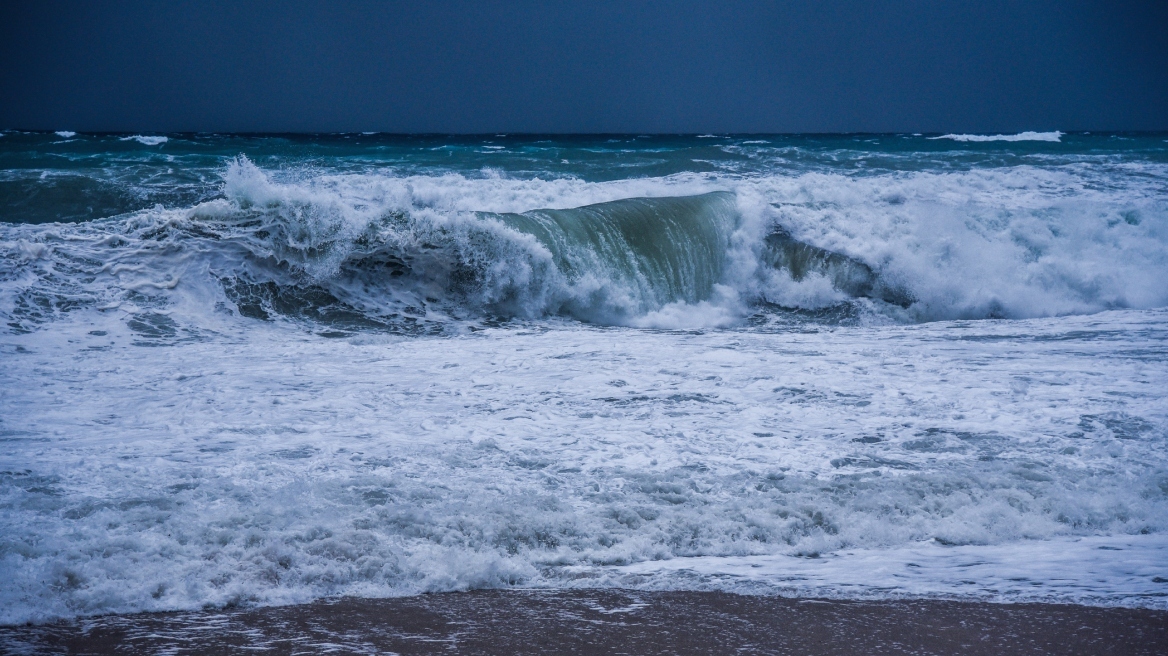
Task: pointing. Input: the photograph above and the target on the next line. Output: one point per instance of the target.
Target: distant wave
(1021, 136)
(66, 134)
(149, 141)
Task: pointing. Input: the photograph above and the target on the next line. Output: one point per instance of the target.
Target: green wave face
(667, 249)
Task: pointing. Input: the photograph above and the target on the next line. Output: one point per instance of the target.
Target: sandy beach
(610, 622)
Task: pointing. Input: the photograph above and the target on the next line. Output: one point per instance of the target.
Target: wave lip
(1055, 136)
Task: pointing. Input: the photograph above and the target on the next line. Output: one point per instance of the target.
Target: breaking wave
(423, 253)
(1021, 136)
(146, 141)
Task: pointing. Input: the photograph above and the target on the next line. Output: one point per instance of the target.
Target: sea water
(244, 369)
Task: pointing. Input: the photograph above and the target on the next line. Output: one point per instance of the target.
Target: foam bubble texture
(255, 464)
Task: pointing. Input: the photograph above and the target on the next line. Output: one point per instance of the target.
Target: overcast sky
(549, 66)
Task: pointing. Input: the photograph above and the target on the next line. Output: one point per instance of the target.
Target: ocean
(255, 370)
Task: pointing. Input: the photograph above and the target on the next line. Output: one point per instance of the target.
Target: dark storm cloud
(627, 66)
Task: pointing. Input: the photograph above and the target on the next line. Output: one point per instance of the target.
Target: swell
(47, 199)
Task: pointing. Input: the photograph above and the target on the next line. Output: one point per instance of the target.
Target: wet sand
(610, 622)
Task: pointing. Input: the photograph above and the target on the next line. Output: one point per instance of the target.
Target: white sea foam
(1021, 136)
(247, 462)
(1009, 242)
(66, 134)
(1059, 570)
(147, 141)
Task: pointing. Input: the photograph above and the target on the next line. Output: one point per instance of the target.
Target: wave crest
(145, 140)
(1055, 136)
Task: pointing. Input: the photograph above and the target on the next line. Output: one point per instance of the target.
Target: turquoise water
(120, 174)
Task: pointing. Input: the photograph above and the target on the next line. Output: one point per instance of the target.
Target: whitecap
(66, 133)
(1021, 136)
(148, 141)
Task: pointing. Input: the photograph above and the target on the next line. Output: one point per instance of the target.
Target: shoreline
(610, 621)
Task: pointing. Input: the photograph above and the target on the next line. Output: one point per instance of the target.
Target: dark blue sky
(549, 66)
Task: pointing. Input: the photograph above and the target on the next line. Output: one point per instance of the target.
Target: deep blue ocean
(265, 369)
